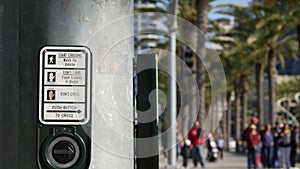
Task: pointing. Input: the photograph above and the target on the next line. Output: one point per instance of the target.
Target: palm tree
(245, 21)
(259, 77)
(290, 10)
(233, 81)
(196, 12)
(236, 53)
(187, 10)
(264, 43)
(202, 8)
(272, 33)
(270, 40)
(260, 59)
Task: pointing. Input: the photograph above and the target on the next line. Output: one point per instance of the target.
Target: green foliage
(256, 31)
(187, 10)
(237, 55)
(288, 89)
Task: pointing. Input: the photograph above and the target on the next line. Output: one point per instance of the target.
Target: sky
(212, 15)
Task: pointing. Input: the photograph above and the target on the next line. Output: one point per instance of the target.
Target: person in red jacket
(197, 138)
(252, 138)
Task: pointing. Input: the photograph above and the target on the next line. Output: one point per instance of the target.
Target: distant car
(232, 144)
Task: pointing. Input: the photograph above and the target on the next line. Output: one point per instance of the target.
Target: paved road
(230, 161)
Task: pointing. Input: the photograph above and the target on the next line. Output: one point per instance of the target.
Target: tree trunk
(237, 111)
(260, 92)
(201, 84)
(271, 85)
(245, 89)
(202, 22)
(228, 119)
(298, 38)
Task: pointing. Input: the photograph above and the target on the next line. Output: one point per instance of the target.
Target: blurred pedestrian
(197, 138)
(212, 153)
(254, 121)
(268, 143)
(285, 147)
(221, 145)
(178, 143)
(260, 153)
(294, 145)
(277, 140)
(185, 151)
(252, 139)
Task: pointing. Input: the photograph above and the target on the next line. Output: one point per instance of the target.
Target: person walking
(294, 145)
(254, 121)
(197, 138)
(212, 150)
(277, 140)
(179, 138)
(268, 143)
(221, 146)
(252, 138)
(285, 147)
(185, 151)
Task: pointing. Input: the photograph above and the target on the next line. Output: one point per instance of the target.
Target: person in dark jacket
(185, 151)
(254, 121)
(285, 146)
(268, 143)
(277, 139)
(294, 144)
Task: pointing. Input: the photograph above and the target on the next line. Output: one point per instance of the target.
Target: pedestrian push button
(63, 152)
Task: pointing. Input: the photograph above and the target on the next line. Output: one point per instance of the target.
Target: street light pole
(172, 88)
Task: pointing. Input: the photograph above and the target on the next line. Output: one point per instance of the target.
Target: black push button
(63, 152)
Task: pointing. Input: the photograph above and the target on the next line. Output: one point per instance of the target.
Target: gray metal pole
(25, 27)
(172, 88)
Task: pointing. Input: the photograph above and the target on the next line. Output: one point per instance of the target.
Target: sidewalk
(230, 161)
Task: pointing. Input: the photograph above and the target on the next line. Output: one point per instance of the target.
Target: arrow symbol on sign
(71, 151)
(64, 111)
(68, 152)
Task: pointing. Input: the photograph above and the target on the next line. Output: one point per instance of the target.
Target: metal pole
(26, 26)
(172, 88)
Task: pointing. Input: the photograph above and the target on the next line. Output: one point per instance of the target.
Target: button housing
(63, 152)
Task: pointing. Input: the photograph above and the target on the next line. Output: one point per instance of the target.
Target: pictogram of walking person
(51, 59)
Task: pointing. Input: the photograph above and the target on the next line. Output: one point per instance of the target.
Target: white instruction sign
(64, 90)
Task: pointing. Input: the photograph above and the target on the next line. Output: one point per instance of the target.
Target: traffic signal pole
(172, 88)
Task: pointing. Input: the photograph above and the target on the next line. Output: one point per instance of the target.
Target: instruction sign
(64, 91)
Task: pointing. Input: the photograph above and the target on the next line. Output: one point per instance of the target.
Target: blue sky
(212, 15)
(242, 2)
